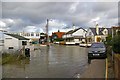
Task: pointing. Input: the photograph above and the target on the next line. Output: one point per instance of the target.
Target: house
(14, 41)
(33, 36)
(57, 36)
(97, 34)
(74, 36)
(1, 39)
(115, 30)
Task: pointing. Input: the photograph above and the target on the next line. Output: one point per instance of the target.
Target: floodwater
(56, 61)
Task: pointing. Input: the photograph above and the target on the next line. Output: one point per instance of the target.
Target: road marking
(106, 74)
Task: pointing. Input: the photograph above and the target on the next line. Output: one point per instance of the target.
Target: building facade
(14, 42)
(57, 36)
(97, 34)
(75, 36)
(33, 36)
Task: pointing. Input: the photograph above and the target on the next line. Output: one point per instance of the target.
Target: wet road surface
(57, 61)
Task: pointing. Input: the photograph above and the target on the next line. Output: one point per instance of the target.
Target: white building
(97, 34)
(33, 36)
(75, 36)
(2, 39)
(13, 41)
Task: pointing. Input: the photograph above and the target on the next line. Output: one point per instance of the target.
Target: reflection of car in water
(97, 51)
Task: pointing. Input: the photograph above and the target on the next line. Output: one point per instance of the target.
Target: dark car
(97, 50)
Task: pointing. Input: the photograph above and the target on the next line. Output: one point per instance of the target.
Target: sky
(18, 16)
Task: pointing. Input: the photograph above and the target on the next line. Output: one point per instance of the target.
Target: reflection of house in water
(97, 34)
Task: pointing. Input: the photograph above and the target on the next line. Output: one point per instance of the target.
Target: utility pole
(47, 32)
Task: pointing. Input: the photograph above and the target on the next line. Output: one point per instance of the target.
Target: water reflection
(49, 62)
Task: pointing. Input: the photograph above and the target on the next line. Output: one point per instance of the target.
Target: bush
(116, 44)
(109, 40)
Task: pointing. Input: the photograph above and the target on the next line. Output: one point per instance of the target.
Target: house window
(24, 42)
(8, 38)
(90, 33)
(37, 34)
(10, 47)
(105, 32)
(24, 34)
(55, 37)
(32, 34)
(28, 34)
(1, 41)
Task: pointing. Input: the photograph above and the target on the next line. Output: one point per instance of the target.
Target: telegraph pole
(47, 32)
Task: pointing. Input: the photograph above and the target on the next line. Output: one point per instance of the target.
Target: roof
(17, 36)
(72, 31)
(59, 34)
(93, 30)
(100, 31)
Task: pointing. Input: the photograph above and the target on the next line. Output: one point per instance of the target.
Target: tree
(109, 40)
(116, 43)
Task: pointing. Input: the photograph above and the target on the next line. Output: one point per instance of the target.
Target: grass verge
(11, 58)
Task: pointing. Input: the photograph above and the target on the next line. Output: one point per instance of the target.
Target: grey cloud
(36, 13)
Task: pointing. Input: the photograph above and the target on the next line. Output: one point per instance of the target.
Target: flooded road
(57, 61)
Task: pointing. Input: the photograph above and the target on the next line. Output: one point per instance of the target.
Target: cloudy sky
(31, 16)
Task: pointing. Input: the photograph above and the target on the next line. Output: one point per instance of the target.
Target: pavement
(97, 69)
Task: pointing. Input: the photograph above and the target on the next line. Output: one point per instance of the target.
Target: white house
(2, 39)
(13, 41)
(33, 36)
(97, 34)
(75, 36)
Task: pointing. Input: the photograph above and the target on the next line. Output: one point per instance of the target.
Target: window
(8, 38)
(24, 42)
(28, 34)
(90, 33)
(32, 34)
(25, 34)
(105, 32)
(37, 34)
(10, 48)
(1, 41)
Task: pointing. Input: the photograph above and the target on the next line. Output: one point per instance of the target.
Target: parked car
(97, 51)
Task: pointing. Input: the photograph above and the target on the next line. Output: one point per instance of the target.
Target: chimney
(97, 29)
(73, 27)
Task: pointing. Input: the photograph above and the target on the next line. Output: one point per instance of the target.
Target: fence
(117, 66)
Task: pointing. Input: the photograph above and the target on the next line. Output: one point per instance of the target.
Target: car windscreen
(97, 45)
